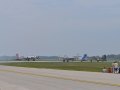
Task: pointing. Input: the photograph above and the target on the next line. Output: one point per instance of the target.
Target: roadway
(19, 78)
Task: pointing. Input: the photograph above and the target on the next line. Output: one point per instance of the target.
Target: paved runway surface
(19, 78)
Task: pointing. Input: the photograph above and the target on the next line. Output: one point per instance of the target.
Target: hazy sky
(59, 27)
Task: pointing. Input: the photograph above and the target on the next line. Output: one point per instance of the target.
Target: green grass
(78, 66)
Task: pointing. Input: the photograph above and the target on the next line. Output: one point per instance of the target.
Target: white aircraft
(84, 58)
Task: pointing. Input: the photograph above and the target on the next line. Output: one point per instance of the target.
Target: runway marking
(64, 78)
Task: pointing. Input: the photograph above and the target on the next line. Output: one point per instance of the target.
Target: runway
(19, 78)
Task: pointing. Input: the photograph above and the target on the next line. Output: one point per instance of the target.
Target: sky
(59, 27)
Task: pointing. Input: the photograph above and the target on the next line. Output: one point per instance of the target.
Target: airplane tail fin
(17, 56)
(85, 57)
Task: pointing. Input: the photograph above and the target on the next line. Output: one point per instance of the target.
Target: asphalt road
(19, 78)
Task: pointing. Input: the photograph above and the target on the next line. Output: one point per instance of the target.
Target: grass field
(78, 66)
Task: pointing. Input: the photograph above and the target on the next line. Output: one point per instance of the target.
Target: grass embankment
(78, 66)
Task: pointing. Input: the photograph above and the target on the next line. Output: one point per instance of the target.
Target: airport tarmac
(20, 78)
